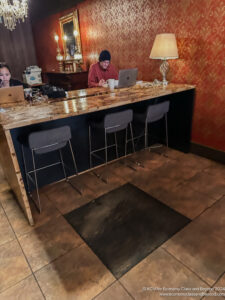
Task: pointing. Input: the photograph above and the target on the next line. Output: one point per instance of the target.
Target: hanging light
(12, 11)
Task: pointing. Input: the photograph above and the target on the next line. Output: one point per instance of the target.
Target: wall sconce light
(59, 56)
(78, 58)
(75, 33)
(164, 48)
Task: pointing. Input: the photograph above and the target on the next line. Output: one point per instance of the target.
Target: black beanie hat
(104, 55)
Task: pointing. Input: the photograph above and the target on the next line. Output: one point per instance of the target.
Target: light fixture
(59, 56)
(164, 48)
(78, 58)
(12, 11)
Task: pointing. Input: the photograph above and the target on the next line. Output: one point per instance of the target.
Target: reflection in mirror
(70, 35)
(69, 38)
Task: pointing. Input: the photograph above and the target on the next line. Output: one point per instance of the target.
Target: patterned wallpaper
(128, 28)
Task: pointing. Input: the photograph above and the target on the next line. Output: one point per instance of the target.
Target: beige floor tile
(168, 152)
(123, 169)
(216, 169)
(219, 288)
(115, 291)
(98, 186)
(213, 219)
(6, 232)
(201, 251)
(211, 185)
(183, 199)
(26, 289)
(149, 160)
(49, 241)
(213, 297)
(217, 291)
(176, 171)
(78, 274)
(3, 186)
(16, 216)
(159, 270)
(109, 175)
(13, 266)
(194, 161)
(65, 197)
(8, 200)
(151, 182)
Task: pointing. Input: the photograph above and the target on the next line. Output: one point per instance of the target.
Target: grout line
(207, 208)
(185, 266)
(32, 273)
(104, 290)
(216, 283)
(75, 247)
(2, 291)
(114, 282)
(218, 279)
(126, 289)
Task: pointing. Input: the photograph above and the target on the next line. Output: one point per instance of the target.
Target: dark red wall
(128, 28)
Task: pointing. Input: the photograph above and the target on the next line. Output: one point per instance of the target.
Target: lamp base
(164, 68)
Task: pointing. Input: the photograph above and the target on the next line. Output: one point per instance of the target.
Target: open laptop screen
(127, 77)
(10, 95)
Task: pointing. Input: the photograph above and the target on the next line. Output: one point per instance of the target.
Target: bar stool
(153, 113)
(42, 142)
(112, 123)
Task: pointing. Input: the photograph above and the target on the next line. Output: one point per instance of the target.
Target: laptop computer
(127, 77)
(10, 95)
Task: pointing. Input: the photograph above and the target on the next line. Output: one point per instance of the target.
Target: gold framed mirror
(70, 33)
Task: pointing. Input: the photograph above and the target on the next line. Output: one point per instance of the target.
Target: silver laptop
(127, 78)
(11, 95)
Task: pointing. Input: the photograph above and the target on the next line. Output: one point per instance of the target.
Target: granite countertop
(82, 102)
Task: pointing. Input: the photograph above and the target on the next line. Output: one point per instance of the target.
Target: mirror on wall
(70, 33)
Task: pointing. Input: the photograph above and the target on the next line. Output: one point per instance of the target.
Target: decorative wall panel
(128, 28)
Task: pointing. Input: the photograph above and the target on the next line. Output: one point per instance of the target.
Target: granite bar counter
(75, 111)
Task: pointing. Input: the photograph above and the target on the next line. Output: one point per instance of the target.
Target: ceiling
(40, 9)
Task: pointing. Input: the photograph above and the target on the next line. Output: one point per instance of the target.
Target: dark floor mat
(124, 226)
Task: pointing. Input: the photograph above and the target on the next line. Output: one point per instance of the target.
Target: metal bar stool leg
(62, 162)
(75, 167)
(117, 154)
(36, 183)
(167, 144)
(73, 157)
(90, 150)
(146, 134)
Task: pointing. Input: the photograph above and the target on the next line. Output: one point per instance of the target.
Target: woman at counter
(5, 77)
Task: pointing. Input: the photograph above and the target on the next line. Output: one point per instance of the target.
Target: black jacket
(15, 82)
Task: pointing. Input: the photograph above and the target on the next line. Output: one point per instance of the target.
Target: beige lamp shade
(164, 47)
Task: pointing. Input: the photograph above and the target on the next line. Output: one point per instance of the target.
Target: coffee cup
(28, 93)
(111, 83)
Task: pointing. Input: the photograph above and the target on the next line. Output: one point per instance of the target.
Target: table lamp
(164, 48)
(78, 58)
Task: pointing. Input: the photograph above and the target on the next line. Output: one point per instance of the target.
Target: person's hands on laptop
(102, 82)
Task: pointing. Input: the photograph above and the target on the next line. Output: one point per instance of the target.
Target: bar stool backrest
(156, 112)
(45, 141)
(118, 121)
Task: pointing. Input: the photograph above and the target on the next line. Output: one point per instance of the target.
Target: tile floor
(51, 261)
